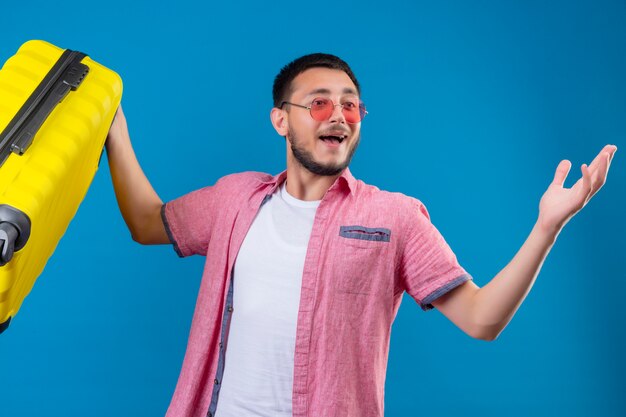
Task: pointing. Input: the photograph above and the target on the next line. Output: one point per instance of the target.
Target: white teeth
(333, 138)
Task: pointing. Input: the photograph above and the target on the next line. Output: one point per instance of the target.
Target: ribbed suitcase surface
(50, 179)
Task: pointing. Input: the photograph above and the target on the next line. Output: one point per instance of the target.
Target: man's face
(310, 140)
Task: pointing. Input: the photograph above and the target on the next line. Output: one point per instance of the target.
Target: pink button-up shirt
(366, 248)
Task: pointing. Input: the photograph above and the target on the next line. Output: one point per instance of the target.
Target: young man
(305, 270)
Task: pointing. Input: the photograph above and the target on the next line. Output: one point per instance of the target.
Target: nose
(337, 115)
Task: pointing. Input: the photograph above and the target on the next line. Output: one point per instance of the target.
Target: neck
(304, 185)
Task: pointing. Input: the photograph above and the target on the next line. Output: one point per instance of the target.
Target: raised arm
(484, 312)
(138, 202)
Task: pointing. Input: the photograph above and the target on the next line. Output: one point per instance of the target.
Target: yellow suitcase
(56, 107)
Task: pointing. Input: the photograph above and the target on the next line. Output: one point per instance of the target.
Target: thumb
(561, 172)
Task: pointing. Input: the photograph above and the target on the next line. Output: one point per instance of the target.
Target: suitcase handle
(65, 76)
(14, 232)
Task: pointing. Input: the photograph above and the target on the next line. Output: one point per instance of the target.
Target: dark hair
(282, 82)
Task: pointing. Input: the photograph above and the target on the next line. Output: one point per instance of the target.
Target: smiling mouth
(333, 138)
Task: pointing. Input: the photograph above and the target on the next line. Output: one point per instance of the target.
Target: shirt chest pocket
(362, 259)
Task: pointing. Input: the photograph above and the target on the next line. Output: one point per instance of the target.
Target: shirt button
(220, 344)
(216, 382)
(210, 414)
(230, 309)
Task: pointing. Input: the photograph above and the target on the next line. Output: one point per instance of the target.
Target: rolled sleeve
(429, 268)
(189, 220)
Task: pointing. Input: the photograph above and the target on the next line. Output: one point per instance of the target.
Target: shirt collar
(345, 178)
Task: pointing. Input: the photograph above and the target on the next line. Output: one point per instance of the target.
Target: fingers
(601, 170)
(586, 189)
(593, 176)
(608, 149)
(598, 176)
(561, 172)
(611, 151)
(597, 170)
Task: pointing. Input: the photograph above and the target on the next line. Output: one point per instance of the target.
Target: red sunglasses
(322, 108)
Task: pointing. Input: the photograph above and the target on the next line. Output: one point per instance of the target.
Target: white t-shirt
(267, 275)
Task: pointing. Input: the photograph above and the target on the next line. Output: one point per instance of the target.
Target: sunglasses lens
(321, 109)
(351, 111)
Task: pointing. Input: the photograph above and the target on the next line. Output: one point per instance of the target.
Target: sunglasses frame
(362, 110)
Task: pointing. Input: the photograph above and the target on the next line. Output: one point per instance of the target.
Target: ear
(279, 121)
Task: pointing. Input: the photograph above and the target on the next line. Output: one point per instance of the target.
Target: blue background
(472, 105)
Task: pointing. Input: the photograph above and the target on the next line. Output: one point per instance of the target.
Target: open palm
(559, 204)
